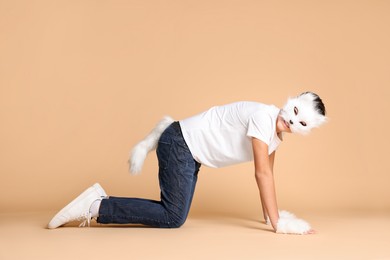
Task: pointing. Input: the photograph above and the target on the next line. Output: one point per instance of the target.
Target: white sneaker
(100, 190)
(79, 208)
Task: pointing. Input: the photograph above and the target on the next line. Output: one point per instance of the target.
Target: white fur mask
(301, 113)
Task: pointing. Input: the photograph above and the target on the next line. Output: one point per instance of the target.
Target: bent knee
(176, 223)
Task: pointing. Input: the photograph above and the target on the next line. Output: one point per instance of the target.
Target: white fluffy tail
(149, 143)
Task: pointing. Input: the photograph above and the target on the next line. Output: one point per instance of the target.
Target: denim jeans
(178, 173)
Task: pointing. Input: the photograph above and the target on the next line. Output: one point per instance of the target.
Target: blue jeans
(178, 173)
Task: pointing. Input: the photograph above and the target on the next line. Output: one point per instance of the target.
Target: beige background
(82, 81)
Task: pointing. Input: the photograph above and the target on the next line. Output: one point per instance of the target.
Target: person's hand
(310, 232)
(289, 224)
(282, 214)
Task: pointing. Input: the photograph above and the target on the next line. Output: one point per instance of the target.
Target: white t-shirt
(221, 136)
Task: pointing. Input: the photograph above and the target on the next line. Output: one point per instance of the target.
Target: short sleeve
(260, 126)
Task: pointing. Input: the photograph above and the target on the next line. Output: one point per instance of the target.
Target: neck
(279, 124)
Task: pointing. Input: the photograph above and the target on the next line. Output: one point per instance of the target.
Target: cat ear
(320, 120)
(323, 119)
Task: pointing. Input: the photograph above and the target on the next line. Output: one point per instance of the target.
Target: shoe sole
(68, 207)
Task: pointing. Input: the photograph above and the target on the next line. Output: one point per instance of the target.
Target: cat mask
(304, 112)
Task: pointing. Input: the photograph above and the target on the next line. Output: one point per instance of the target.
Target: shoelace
(86, 217)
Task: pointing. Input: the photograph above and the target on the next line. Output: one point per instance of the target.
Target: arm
(286, 223)
(272, 160)
(265, 180)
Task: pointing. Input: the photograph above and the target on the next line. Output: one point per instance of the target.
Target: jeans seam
(138, 218)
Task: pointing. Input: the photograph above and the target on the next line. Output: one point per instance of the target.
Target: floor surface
(215, 236)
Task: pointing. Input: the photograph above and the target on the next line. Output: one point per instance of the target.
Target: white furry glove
(289, 224)
(282, 214)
